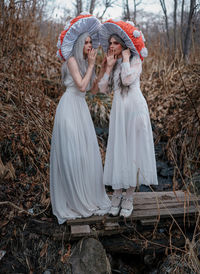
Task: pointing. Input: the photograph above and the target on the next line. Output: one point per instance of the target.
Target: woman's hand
(126, 55)
(111, 59)
(92, 57)
(104, 63)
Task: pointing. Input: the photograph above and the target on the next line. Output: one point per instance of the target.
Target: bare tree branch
(162, 3)
(107, 4)
(175, 23)
(182, 15)
(187, 41)
(79, 7)
(126, 10)
(92, 6)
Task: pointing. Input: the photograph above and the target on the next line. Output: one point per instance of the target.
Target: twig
(16, 207)
(153, 243)
(23, 210)
(187, 94)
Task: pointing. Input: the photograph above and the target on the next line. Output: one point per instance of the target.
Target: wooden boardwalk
(150, 209)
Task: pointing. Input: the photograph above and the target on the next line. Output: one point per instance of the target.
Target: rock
(161, 165)
(127, 265)
(165, 183)
(167, 172)
(149, 259)
(89, 257)
(144, 188)
(159, 150)
(158, 187)
(47, 271)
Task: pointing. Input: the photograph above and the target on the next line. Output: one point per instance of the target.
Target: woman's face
(88, 46)
(116, 47)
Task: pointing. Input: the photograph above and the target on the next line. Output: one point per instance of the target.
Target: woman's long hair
(78, 55)
(124, 89)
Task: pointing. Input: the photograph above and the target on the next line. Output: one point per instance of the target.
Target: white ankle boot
(127, 207)
(116, 203)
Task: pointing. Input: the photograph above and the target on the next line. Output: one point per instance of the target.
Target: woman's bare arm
(95, 86)
(107, 67)
(82, 82)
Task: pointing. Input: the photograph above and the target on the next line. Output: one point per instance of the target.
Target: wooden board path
(150, 208)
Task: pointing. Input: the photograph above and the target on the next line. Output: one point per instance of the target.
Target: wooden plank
(111, 226)
(139, 207)
(148, 205)
(177, 193)
(80, 230)
(138, 215)
(143, 200)
(164, 212)
(92, 220)
(142, 197)
(139, 199)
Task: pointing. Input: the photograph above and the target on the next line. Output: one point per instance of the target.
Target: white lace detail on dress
(130, 73)
(130, 149)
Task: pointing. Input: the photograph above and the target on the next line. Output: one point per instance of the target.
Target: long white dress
(130, 156)
(76, 173)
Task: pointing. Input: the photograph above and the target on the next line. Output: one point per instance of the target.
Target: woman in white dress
(130, 156)
(76, 173)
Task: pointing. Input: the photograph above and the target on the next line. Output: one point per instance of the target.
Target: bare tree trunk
(92, 6)
(175, 32)
(135, 12)
(34, 8)
(2, 10)
(162, 2)
(126, 11)
(187, 41)
(135, 8)
(182, 17)
(79, 7)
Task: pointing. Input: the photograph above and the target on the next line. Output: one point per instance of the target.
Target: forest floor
(30, 91)
(27, 120)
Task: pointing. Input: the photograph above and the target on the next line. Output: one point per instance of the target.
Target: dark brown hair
(124, 89)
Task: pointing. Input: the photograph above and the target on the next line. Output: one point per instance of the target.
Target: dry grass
(172, 93)
(30, 90)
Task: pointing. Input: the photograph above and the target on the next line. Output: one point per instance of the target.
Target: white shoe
(127, 207)
(115, 206)
(114, 211)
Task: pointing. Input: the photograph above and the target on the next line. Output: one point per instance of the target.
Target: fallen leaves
(173, 98)
(64, 258)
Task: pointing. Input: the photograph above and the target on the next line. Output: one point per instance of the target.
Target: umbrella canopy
(132, 37)
(73, 29)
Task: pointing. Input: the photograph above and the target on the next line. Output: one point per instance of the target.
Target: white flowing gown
(76, 173)
(130, 155)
